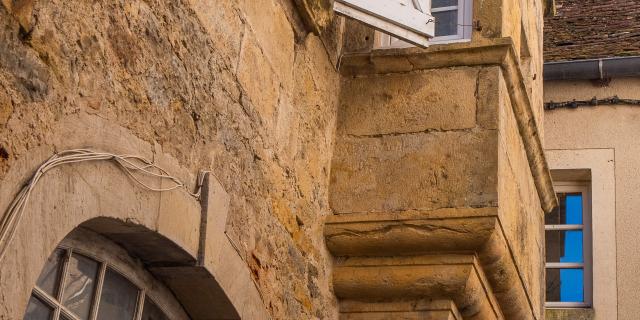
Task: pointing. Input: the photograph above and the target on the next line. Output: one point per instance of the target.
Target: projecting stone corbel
(458, 278)
(439, 233)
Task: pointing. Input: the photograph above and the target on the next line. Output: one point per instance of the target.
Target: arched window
(91, 278)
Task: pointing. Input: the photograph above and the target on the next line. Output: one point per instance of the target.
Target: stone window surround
(109, 255)
(465, 15)
(197, 254)
(599, 166)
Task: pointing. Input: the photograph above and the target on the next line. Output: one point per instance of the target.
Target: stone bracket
(438, 234)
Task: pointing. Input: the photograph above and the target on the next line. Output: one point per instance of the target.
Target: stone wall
(441, 144)
(240, 89)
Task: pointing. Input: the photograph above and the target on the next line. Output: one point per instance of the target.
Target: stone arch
(163, 230)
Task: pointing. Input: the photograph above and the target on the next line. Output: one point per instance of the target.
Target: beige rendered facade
(341, 181)
(602, 140)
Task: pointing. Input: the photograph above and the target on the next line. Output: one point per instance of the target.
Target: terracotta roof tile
(588, 29)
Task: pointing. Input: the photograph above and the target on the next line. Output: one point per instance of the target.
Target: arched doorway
(90, 277)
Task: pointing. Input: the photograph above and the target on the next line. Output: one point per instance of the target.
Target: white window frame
(465, 19)
(585, 189)
(409, 20)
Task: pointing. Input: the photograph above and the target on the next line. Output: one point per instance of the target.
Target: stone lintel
(410, 310)
(497, 52)
(456, 277)
(464, 231)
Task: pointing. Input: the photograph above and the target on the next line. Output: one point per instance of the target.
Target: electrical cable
(133, 166)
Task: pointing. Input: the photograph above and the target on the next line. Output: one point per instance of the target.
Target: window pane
(152, 312)
(446, 23)
(118, 299)
(443, 3)
(565, 285)
(50, 275)
(564, 245)
(79, 285)
(37, 310)
(569, 210)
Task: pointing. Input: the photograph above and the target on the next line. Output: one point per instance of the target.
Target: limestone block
(489, 83)
(273, 32)
(220, 258)
(434, 232)
(6, 107)
(258, 79)
(455, 277)
(223, 25)
(317, 14)
(415, 171)
(429, 309)
(573, 314)
(401, 103)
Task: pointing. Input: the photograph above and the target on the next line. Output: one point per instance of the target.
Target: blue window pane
(569, 210)
(565, 285)
(574, 208)
(564, 245)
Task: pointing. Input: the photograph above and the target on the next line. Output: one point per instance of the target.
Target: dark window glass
(569, 210)
(565, 285)
(79, 285)
(564, 245)
(118, 299)
(443, 3)
(152, 312)
(446, 23)
(50, 275)
(37, 310)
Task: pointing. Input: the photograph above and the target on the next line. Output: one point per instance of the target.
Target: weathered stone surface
(273, 33)
(224, 26)
(414, 171)
(409, 310)
(573, 314)
(403, 103)
(440, 277)
(257, 77)
(173, 74)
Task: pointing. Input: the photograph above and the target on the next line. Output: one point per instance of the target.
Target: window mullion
(98, 292)
(61, 285)
(442, 9)
(141, 297)
(51, 301)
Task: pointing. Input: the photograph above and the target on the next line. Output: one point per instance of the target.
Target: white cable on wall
(134, 166)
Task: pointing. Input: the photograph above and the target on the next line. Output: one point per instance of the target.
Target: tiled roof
(588, 29)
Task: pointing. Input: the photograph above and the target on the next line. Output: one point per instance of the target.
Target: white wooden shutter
(409, 20)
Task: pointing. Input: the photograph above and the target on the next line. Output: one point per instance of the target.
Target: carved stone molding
(474, 232)
(455, 277)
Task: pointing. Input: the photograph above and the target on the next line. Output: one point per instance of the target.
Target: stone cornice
(446, 276)
(474, 231)
(498, 52)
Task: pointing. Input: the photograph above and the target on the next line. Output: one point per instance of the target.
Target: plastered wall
(606, 127)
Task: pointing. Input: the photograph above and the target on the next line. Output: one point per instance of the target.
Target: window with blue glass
(567, 236)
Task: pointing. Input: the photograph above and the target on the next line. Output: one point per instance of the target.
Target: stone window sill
(569, 314)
